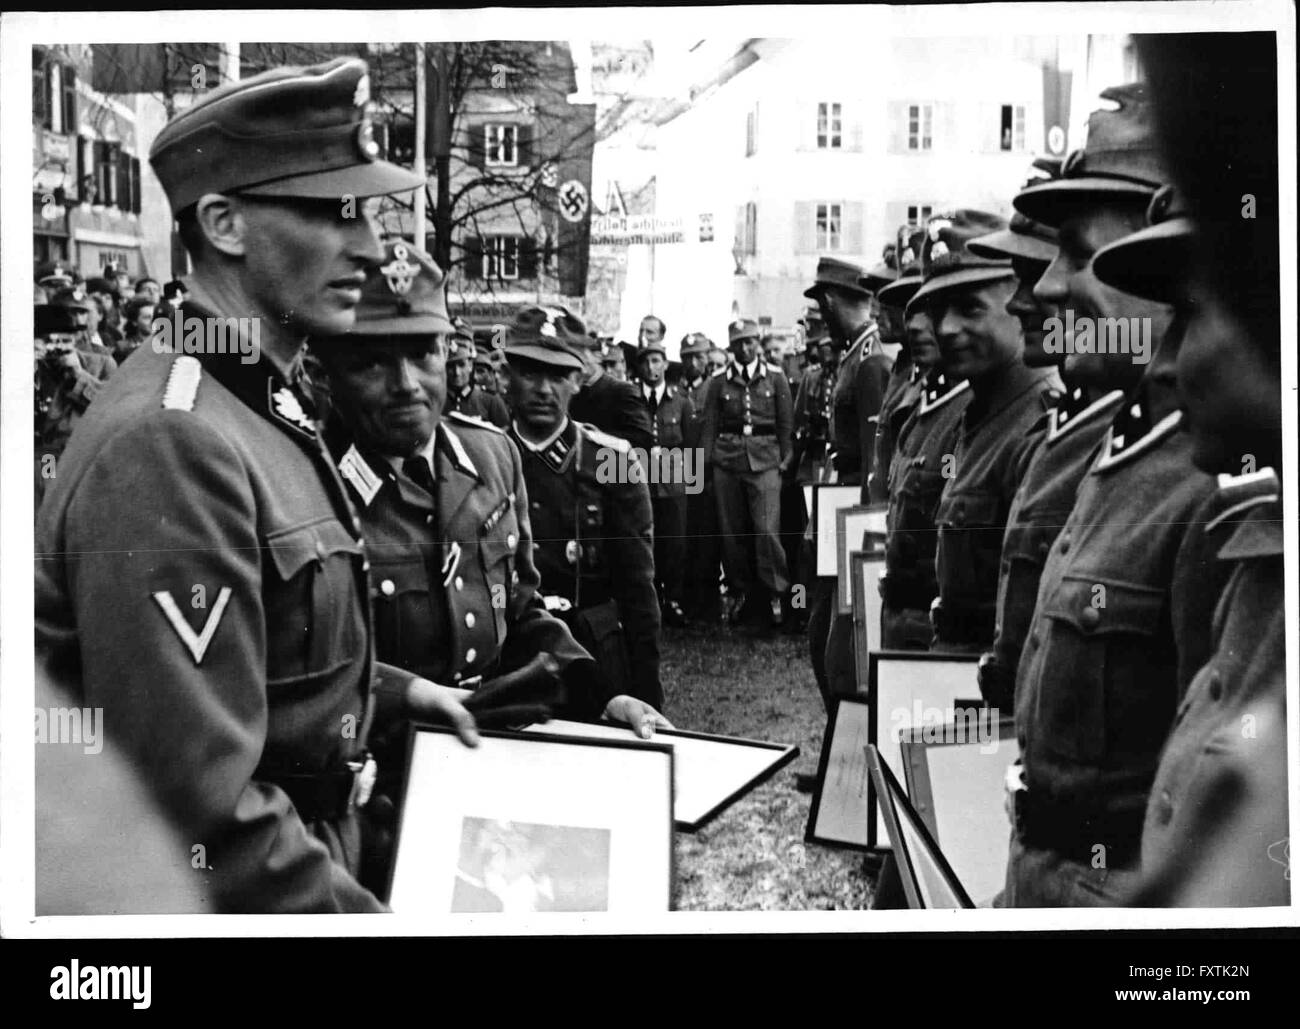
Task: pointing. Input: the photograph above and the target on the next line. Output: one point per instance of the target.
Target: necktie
(418, 471)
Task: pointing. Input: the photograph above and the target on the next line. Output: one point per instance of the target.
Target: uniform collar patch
(287, 406)
(1074, 410)
(1132, 433)
(459, 454)
(940, 391)
(355, 469)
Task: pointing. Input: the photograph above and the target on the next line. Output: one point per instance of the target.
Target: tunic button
(428, 520)
(365, 566)
(460, 583)
(470, 656)
(1166, 810)
(512, 540)
(1216, 686)
(1065, 542)
(455, 676)
(469, 619)
(387, 588)
(1091, 618)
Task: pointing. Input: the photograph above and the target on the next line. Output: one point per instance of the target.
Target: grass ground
(752, 857)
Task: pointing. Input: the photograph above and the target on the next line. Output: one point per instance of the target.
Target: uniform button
(455, 676)
(1166, 809)
(1091, 618)
(460, 583)
(387, 588)
(537, 504)
(512, 540)
(1043, 550)
(470, 655)
(365, 566)
(1216, 686)
(1065, 542)
(428, 520)
(469, 619)
(514, 578)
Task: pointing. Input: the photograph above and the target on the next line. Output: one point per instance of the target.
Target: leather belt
(747, 430)
(328, 796)
(963, 624)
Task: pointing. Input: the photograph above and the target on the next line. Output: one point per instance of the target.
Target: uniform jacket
(453, 583)
(672, 428)
(614, 407)
(594, 538)
(62, 397)
(201, 577)
(902, 394)
(993, 450)
(1038, 514)
(812, 416)
(855, 405)
(916, 482)
(1121, 623)
(731, 406)
(1219, 736)
(477, 403)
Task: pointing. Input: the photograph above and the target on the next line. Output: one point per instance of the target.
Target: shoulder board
(1241, 493)
(458, 448)
(182, 384)
(720, 371)
(469, 419)
(604, 439)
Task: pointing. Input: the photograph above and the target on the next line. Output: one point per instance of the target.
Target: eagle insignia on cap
(940, 249)
(362, 95)
(366, 144)
(738, 324)
(400, 273)
(548, 329)
(935, 226)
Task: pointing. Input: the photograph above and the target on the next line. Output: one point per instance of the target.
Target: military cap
(908, 251)
(461, 348)
(695, 343)
(403, 296)
(651, 348)
(881, 275)
(743, 328)
(288, 132)
(837, 274)
(99, 285)
(74, 297)
(54, 318)
(1024, 237)
(814, 329)
(1119, 159)
(547, 335)
(947, 264)
(53, 273)
(1154, 261)
(482, 357)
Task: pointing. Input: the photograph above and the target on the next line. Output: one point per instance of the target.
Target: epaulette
(458, 450)
(1241, 493)
(478, 423)
(604, 439)
(720, 371)
(182, 384)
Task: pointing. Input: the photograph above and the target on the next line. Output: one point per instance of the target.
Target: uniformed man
(485, 374)
(90, 339)
(609, 403)
(746, 428)
(613, 360)
(966, 297)
(702, 600)
(812, 404)
(1123, 614)
(652, 330)
(200, 574)
(717, 360)
(464, 396)
(445, 511)
(672, 418)
(590, 507)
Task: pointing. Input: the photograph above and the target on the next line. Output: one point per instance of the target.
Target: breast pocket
(404, 629)
(315, 621)
(971, 526)
(1110, 670)
(915, 502)
(497, 552)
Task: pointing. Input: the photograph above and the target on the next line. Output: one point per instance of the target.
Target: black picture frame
(896, 807)
(858, 710)
(416, 728)
(868, 608)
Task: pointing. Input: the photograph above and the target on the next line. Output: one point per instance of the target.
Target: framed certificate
(828, 500)
(525, 823)
(839, 816)
(710, 773)
(867, 607)
(857, 528)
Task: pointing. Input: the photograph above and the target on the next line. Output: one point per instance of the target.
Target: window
(501, 257)
(1012, 127)
(399, 140)
(920, 126)
(749, 229)
(918, 214)
(828, 230)
(54, 95)
(501, 145)
(751, 132)
(109, 182)
(830, 126)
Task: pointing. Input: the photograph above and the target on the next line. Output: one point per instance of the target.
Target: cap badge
(366, 144)
(400, 273)
(940, 249)
(362, 95)
(935, 226)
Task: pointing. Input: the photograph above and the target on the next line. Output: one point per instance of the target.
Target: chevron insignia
(196, 642)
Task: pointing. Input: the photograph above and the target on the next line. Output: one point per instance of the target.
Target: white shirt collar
(656, 391)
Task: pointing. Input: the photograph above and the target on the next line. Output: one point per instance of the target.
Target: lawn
(752, 857)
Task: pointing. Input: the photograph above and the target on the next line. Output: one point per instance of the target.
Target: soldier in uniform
(1123, 614)
(701, 599)
(746, 428)
(589, 507)
(609, 403)
(485, 373)
(672, 418)
(464, 395)
(200, 574)
(979, 341)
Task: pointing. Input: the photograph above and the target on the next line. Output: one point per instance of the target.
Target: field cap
(288, 132)
(695, 343)
(1152, 262)
(742, 328)
(832, 273)
(908, 251)
(548, 335)
(403, 296)
(946, 264)
(881, 275)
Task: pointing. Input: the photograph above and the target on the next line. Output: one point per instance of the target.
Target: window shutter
(473, 265)
(524, 145)
(806, 112)
(124, 186)
(754, 148)
(751, 228)
(135, 184)
(85, 169)
(738, 239)
(896, 115)
(805, 236)
(475, 144)
(852, 122)
(69, 101)
(527, 257)
(40, 90)
(947, 127)
(852, 228)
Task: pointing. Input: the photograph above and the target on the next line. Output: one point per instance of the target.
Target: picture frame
(710, 772)
(929, 881)
(532, 823)
(900, 682)
(955, 779)
(828, 499)
(839, 816)
(867, 608)
(861, 527)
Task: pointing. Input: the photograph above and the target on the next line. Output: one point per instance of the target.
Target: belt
(747, 430)
(963, 624)
(1075, 832)
(907, 592)
(328, 796)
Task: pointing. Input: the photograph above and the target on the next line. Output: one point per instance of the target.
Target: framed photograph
(710, 773)
(839, 816)
(861, 527)
(828, 500)
(526, 823)
(928, 879)
(910, 689)
(954, 775)
(867, 606)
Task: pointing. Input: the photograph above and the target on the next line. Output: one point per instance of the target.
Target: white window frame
(1018, 119)
(920, 127)
(828, 227)
(501, 145)
(501, 257)
(54, 90)
(919, 214)
(830, 125)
